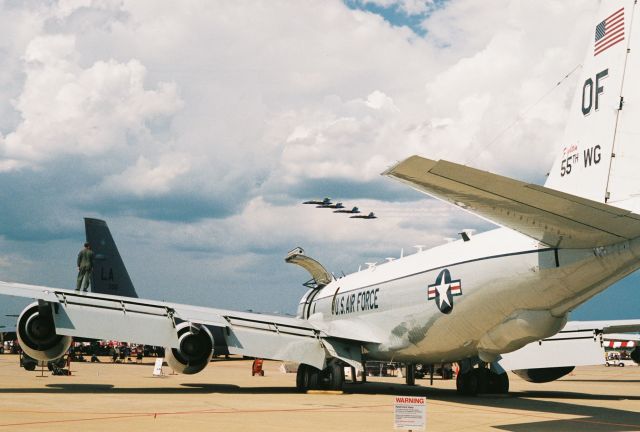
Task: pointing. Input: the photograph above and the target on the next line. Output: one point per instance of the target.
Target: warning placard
(410, 413)
(157, 367)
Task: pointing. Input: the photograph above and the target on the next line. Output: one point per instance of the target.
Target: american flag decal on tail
(609, 32)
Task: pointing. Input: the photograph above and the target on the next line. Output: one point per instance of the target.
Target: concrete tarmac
(225, 397)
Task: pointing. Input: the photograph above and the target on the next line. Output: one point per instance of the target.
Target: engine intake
(194, 351)
(37, 335)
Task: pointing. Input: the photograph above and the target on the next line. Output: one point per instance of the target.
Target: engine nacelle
(37, 335)
(543, 375)
(195, 349)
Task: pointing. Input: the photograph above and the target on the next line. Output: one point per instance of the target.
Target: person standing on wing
(85, 267)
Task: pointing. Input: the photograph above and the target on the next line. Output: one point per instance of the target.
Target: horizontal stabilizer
(552, 217)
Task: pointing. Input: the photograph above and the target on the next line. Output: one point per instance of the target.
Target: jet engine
(543, 375)
(37, 335)
(195, 349)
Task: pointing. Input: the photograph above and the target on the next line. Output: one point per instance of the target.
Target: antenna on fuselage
(466, 234)
(420, 248)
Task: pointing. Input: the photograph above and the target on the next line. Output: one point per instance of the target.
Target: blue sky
(399, 13)
(197, 129)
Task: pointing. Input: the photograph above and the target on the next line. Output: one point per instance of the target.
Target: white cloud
(67, 109)
(148, 178)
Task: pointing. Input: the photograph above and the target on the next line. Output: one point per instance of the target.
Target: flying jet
(353, 210)
(331, 206)
(498, 302)
(369, 216)
(325, 201)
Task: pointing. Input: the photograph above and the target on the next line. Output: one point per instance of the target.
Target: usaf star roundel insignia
(444, 290)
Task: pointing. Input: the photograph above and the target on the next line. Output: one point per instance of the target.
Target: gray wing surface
(104, 316)
(579, 343)
(552, 217)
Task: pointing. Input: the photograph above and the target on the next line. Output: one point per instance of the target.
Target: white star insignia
(442, 292)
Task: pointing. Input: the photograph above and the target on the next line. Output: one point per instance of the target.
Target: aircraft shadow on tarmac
(589, 418)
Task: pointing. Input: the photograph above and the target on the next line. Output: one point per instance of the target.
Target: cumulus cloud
(146, 177)
(70, 110)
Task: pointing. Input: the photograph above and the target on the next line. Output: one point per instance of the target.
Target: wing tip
(409, 165)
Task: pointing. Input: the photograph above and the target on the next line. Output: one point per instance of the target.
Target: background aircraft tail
(599, 157)
(110, 275)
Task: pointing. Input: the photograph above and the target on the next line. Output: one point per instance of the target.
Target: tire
(306, 378)
(467, 384)
(621, 365)
(460, 384)
(498, 383)
(336, 379)
(484, 380)
(473, 382)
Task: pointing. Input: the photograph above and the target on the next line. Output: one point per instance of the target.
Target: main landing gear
(481, 380)
(310, 378)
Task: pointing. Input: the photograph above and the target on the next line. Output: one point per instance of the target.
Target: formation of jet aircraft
(326, 203)
(498, 302)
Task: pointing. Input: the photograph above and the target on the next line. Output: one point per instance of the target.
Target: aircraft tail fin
(110, 275)
(599, 157)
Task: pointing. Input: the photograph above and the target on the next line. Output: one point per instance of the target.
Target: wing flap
(552, 217)
(110, 323)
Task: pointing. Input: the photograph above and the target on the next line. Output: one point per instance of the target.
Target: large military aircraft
(495, 303)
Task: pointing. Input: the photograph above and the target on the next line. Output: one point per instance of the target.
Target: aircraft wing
(552, 217)
(579, 343)
(104, 316)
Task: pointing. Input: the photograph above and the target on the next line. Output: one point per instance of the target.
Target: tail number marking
(588, 92)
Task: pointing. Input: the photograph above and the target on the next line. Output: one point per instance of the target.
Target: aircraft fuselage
(493, 294)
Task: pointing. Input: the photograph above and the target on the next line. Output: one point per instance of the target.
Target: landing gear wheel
(484, 378)
(467, 383)
(498, 383)
(306, 378)
(335, 377)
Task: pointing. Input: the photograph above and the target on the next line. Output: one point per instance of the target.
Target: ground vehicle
(619, 359)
